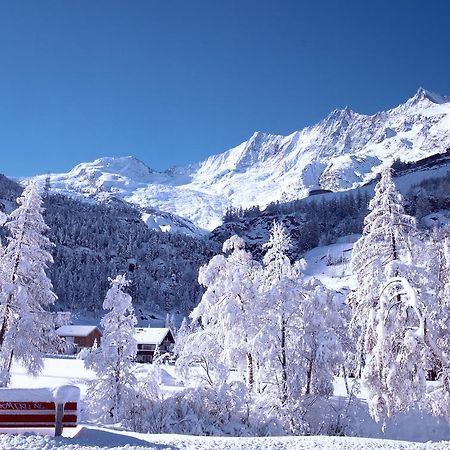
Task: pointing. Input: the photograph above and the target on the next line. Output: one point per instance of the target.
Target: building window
(147, 347)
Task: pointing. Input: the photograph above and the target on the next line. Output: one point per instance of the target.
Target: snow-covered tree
(202, 349)
(439, 332)
(112, 394)
(227, 311)
(171, 324)
(27, 328)
(300, 339)
(182, 334)
(323, 333)
(390, 304)
(281, 333)
(281, 285)
(386, 237)
(184, 330)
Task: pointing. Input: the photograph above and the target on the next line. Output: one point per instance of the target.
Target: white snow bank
(92, 438)
(60, 394)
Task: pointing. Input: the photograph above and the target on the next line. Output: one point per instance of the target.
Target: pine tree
(112, 393)
(182, 334)
(27, 328)
(390, 304)
(47, 186)
(171, 324)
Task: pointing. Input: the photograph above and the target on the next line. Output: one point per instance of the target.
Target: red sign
(26, 406)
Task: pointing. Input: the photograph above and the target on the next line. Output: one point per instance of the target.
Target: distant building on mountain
(318, 191)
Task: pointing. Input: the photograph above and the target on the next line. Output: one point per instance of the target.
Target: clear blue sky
(173, 81)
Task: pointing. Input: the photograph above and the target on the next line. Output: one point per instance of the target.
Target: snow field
(92, 438)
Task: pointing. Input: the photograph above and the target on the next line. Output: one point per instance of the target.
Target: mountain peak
(341, 114)
(127, 166)
(423, 94)
(120, 162)
(257, 136)
(337, 119)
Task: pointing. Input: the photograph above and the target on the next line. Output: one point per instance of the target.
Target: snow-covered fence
(39, 408)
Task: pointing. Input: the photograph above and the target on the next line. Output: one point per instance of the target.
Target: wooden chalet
(78, 337)
(149, 340)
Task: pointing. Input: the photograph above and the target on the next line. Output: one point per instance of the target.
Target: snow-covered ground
(69, 371)
(93, 438)
(331, 263)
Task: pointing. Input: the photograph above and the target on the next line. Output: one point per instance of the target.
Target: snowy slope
(343, 151)
(331, 264)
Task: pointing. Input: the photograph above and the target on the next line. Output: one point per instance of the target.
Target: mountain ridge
(344, 150)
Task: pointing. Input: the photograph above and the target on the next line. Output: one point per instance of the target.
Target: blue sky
(173, 81)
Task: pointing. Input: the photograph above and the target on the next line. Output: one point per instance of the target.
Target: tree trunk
(284, 388)
(344, 373)
(11, 356)
(309, 376)
(13, 279)
(394, 256)
(250, 371)
(4, 323)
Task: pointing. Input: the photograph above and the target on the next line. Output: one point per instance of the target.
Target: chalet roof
(151, 335)
(76, 330)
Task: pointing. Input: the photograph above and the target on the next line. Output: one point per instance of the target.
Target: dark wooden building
(78, 337)
(149, 340)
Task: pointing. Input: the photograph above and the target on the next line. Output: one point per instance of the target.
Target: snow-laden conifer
(112, 394)
(171, 324)
(27, 327)
(182, 334)
(391, 303)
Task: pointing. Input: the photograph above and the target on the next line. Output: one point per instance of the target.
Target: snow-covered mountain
(343, 151)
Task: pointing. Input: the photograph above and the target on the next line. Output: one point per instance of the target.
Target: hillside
(96, 241)
(322, 219)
